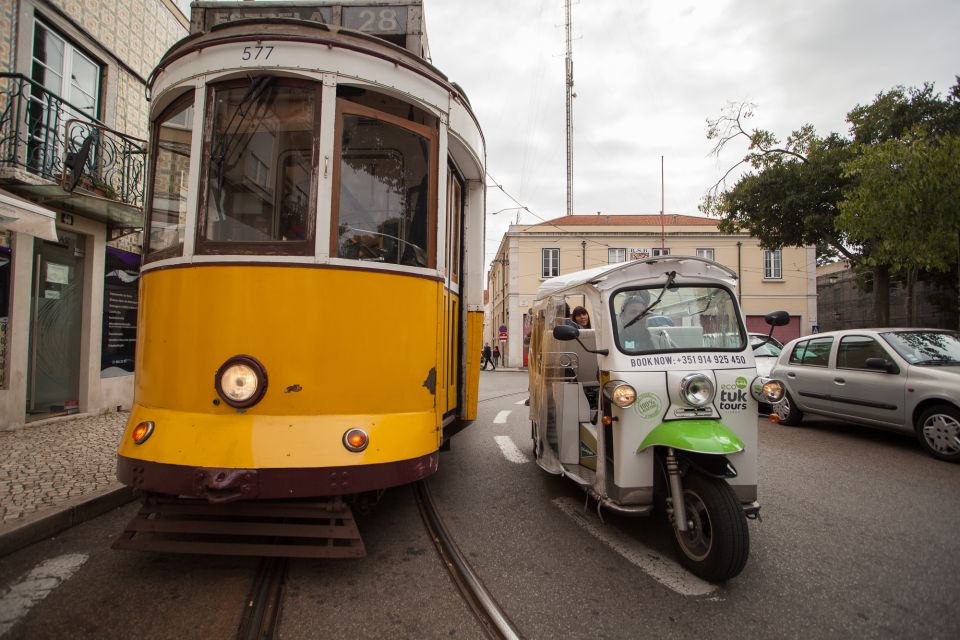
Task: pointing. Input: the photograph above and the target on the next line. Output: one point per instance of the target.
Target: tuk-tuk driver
(636, 337)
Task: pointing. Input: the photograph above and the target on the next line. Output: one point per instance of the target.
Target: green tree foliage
(905, 201)
(893, 178)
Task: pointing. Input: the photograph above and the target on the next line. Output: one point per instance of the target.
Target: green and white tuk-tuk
(656, 402)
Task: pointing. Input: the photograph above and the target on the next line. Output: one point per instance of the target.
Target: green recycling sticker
(647, 405)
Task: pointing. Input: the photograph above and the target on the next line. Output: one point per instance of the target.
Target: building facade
(530, 254)
(73, 129)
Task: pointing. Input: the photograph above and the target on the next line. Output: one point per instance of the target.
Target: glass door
(56, 306)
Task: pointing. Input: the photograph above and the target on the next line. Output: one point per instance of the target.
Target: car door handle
(791, 375)
(839, 380)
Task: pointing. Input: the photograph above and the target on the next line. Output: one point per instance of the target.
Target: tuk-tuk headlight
(697, 389)
(773, 391)
(620, 393)
(767, 390)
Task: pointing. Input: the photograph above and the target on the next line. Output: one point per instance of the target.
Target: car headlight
(620, 393)
(697, 389)
(241, 381)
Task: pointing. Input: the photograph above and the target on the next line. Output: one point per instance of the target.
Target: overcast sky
(648, 74)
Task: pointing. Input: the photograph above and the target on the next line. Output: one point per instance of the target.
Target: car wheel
(787, 411)
(938, 429)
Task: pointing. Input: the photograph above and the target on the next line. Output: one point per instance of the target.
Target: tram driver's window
(171, 168)
(259, 178)
(384, 210)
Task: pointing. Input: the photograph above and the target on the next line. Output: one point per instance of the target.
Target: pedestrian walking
(487, 358)
(496, 356)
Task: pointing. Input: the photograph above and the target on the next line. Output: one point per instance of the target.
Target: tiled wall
(8, 30)
(136, 31)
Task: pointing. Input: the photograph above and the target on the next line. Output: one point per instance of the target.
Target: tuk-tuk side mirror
(567, 332)
(777, 319)
(882, 364)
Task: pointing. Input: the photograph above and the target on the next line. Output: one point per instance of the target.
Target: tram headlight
(241, 381)
(697, 389)
(620, 393)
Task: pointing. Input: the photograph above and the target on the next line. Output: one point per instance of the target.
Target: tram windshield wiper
(669, 283)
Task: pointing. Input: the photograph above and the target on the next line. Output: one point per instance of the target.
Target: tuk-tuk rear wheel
(717, 543)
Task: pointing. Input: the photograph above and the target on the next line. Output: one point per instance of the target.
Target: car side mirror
(882, 364)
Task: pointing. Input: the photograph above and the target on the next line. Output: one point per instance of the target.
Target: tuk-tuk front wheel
(717, 542)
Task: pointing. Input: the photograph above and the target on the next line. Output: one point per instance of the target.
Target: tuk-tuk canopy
(610, 276)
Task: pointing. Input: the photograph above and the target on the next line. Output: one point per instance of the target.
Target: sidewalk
(56, 473)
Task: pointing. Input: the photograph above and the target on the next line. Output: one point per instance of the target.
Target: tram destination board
(398, 21)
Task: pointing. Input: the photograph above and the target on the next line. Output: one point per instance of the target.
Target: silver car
(902, 379)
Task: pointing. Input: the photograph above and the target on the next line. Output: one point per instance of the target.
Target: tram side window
(259, 177)
(171, 169)
(385, 211)
(454, 217)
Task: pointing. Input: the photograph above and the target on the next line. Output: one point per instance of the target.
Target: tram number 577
(256, 52)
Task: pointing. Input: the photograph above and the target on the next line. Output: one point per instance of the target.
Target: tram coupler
(679, 510)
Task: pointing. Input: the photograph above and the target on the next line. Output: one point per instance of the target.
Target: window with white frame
(658, 251)
(550, 262)
(706, 253)
(616, 255)
(772, 265)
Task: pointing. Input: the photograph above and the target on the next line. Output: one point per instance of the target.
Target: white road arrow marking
(501, 417)
(510, 450)
(33, 587)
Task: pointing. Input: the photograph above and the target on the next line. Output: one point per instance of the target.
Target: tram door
(453, 307)
(53, 383)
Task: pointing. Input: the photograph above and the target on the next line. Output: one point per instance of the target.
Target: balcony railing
(50, 138)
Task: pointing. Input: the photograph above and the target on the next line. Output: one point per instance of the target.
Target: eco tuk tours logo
(648, 405)
(733, 397)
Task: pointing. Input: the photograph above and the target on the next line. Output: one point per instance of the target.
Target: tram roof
(609, 276)
(399, 22)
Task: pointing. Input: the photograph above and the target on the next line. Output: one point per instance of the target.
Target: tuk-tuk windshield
(683, 318)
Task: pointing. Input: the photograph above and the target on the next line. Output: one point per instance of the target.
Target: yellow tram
(311, 295)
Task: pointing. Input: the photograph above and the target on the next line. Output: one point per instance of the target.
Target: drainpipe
(583, 254)
(739, 275)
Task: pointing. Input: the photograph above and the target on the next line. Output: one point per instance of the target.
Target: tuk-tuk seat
(674, 337)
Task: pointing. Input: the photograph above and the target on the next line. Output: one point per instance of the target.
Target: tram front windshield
(679, 318)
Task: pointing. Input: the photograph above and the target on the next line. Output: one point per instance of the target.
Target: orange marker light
(142, 431)
(355, 440)
(607, 420)
(774, 418)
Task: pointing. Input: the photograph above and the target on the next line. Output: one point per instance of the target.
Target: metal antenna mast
(570, 96)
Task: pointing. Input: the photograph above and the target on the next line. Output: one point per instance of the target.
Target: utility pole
(570, 96)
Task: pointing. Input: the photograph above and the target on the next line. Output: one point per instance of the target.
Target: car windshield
(926, 348)
(764, 347)
(679, 318)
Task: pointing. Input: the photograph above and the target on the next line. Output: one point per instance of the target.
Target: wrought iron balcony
(52, 151)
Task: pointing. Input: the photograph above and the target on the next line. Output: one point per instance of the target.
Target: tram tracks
(262, 607)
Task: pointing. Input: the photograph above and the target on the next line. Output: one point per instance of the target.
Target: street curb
(49, 522)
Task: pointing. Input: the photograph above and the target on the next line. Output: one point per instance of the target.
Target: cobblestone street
(45, 465)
